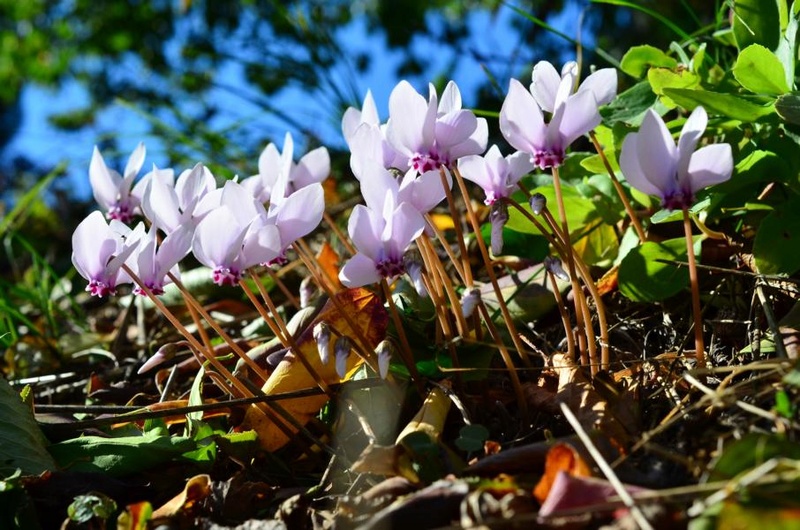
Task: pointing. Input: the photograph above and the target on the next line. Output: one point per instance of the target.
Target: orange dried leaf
(442, 221)
(328, 259)
(560, 457)
(608, 282)
(195, 491)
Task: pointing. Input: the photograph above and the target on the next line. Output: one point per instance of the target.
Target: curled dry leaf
(369, 316)
(562, 457)
(186, 502)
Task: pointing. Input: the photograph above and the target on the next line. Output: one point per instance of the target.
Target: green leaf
(788, 107)
(777, 240)
(758, 70)
(516, 243)
(751, 451)
(643, 278)
(472, 437)
(787, 46)
(22, 444)
(662, 79)
(667, 216)
(580, 210)
(756, 22)
(736, 107)
(629, 107)
(639, 59)
(119, 456)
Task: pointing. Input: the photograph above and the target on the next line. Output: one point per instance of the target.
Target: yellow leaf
(370, 318)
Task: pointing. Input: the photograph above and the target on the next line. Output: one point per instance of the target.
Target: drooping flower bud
(322, 334)
(341, 349)
(469, 301)
(498, 217)
(414, 270)
(384, 351)
(538, 203)
(307, 290)
(553, 265)
(162, 355)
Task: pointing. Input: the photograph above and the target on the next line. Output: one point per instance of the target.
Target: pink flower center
(101, 289)
(422, 162)
(155, 289)
(678, 200)
(226, 276)
(549, 158)
(389, 268)
(121, 211)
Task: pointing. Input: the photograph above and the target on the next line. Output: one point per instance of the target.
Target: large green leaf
(639, 59)
(757, 22)
(662, 79)
(120, 456)
(758, 70)
(776, 244)
(22, 444)
(629, 107)
(736, 107)
(644, 278)
(581, 211)
(787, 47)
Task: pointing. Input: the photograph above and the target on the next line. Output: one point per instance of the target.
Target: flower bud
(307, 290)
(162, 355)
(469, 301)
(384, 351)
(414, 270)
(322, 334)
(498, 217)
(538, 203)
(342, 348)
(553, 265)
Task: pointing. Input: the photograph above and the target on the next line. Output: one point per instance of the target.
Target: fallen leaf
(561, 458)
(185, 504)
(369, 316)
(571, 493)
(328, 259)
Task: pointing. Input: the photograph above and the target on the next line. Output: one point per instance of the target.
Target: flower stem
(405, 347)
(698, 320)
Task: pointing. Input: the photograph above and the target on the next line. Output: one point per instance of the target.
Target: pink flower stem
(698, 319)
(405, 348)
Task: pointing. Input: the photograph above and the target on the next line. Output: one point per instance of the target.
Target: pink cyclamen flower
(423, 192)
(522, 119)
(653, 164)
(295, 215)
(366, 136)
(99, 251)
(496, 175)
(235, 236)
(312, 168)
(111, 190)
(171, 206)
(151, 262)
(433, 133)
(381, 238)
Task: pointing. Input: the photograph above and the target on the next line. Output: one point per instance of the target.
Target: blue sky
(48, 146)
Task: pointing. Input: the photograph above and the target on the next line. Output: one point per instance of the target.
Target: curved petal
(366, 143)
(269, 165)
(691, 133)
(160, 205)
(474, 145)
(365, 227)
(519, 165)
(710, 165)
(135, 162)
(632, 169)
(218, 238)
(313, 167)
(454, 128)
(451, 99)
(407, 225)
(300, 213)
(580, 116)
(544, 85)
(521, 119)
(376, 183)
(658, 156)
(603, 84)
(173, 249)
(358, 271)
(261, 245)
(473, 168)
(104, 181)
(411, 120)
(423, 192)
(92, 244)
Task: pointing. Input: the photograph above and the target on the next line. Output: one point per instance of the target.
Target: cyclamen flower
(572, 114)
(296, 215)
(366, 136)
(172, 206)
(111, 190)
(497, 175)
(381, 239)
(653, 164)
(235, 236)
(152, 262)
(433, 133)
(423, 192)
(99, 251)
(312, 168)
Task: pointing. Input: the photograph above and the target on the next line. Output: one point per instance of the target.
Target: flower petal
(691, 133)
(603, 84)
(545, 81)
(365, 227)
(658, 156)
(580, 116)
(359, 270)
(105, 182)
(300, 213)
(521, 119)
(632, 169)
(135, 162)
(454, 128)
(710, 165)
(313, 167)
(411, 120)
(451, 99)
(218, 238)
